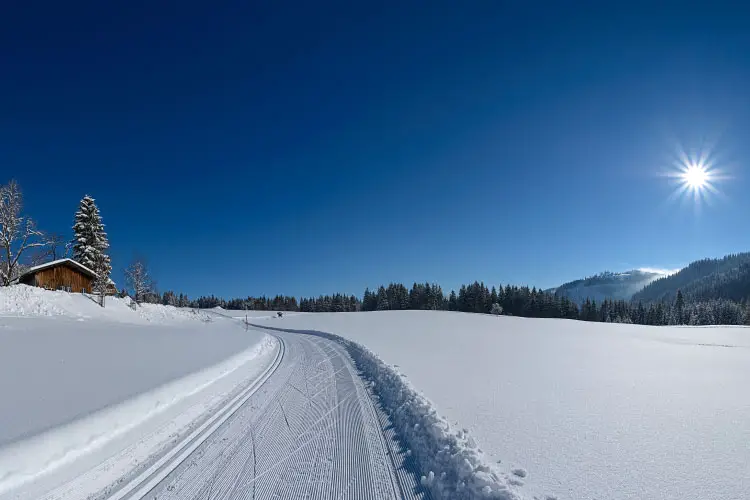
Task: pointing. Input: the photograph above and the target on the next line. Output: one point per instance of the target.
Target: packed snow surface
(311, 432)
(578, 410)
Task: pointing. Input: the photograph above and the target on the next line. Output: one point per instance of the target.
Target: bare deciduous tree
(55, 247)
(58, 246)
(17, 233)
(137, 277)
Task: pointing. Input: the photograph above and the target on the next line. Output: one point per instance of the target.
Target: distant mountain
(725, 278)
(608, 285)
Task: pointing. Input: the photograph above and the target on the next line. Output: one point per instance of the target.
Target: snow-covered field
(578, 410)
(79, 383)
(552, 408)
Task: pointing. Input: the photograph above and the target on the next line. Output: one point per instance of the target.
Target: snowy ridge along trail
(144, 482)
(311, 430)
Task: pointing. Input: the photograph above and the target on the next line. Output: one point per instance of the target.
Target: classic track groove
(311, 430)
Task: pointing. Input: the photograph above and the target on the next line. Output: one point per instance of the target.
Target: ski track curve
(312, 430)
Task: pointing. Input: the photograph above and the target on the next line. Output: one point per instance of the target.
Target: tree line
(509, 300)
(475, 297)
(681, 311)
(323, 303)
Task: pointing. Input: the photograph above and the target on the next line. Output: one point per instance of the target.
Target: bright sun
(696, 176)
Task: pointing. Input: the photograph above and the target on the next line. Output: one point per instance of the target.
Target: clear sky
(314, 147)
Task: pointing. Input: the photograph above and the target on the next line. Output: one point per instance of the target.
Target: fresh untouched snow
(576, 410)
(79, 383)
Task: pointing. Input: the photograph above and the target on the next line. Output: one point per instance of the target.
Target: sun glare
(696, 176)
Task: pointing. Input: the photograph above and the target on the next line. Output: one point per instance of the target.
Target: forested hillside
(706, 279)
(607, 285)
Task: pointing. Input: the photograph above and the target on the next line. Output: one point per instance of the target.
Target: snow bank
(25, 301)
(452, 465)
(167, 314)
(22, 300)
(80, 441)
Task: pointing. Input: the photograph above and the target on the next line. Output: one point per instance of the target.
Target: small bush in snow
(497, 309)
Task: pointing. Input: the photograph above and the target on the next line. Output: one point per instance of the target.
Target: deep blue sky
(306, 148)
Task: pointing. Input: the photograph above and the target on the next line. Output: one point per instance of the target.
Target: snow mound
(452, 465)
(162, 314)
(455, 468)
(24, 300)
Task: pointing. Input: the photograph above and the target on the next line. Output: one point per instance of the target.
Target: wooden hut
(63, 274)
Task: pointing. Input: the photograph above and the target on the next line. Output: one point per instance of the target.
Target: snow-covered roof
(58, 262)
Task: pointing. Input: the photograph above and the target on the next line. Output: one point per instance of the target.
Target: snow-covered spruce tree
(90, 242)
(382, 300)
(102, 281)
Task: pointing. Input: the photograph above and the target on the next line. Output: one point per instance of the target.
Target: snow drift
(452, 464)
(30, 301)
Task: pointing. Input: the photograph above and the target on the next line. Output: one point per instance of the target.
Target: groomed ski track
(311, 431)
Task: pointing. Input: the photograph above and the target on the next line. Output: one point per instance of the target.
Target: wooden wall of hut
(58, 277)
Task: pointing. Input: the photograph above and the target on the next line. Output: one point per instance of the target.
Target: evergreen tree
(453, 302)
(101, 282)
(679, 305)
(369, 301)
(90, 242)
(382, 300)
(404, 297)
(416, 296)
